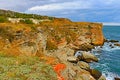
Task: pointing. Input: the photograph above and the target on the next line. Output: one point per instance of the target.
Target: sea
(109, 57)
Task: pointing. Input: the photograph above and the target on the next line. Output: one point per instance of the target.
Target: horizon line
(110, 23)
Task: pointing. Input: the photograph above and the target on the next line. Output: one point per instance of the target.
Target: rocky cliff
(56, 42)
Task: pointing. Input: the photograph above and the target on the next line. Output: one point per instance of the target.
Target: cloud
(23, 5)
(77, 10)
(62, 6)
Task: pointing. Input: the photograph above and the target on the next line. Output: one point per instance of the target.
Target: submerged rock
(116, 78)
(117, 44)
(89, 57)
(111, 45)
(112, 41)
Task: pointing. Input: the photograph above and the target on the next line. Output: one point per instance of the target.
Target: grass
(3, 19)
(24, 68)
(26, 21)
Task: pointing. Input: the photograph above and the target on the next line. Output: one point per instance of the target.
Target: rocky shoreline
(77, 65)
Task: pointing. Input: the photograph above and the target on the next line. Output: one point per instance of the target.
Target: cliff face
(53, 41)
(89, 33)
(97, 34)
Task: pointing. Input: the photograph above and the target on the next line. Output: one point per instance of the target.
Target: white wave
(110, 47)
(110, 76)
(105, 70)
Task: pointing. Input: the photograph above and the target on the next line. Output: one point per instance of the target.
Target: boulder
(85, 77)
(86, 47)
(72, 59)
(113, 41)
(84, 65)
(28, 48)
(102, 78)
(105, 40)
(78, 54)
(69, 73)
(117, 44)
(95, 73)
(89, 57)
(116, 78)
(111, 45)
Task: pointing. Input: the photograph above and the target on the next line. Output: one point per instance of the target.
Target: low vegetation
(26, 21)
(3, 19)
(11, 14)
(25, 68)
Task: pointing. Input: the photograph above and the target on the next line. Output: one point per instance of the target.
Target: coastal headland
(57, 42)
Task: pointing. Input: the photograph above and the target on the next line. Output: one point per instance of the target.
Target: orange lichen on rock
(58, 68)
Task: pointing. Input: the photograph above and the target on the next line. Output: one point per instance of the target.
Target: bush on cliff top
(3, 19)
(26, 21)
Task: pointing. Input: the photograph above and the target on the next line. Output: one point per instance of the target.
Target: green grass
(3, 19)
(25, 68)
(26, 21)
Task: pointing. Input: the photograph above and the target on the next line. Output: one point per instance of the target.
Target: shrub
(51, 45)
(3, 19)
(6, 33)
(26, 21)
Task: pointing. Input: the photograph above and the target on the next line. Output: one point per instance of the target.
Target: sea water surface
(109, 58)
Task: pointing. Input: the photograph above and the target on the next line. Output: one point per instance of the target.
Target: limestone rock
(85, 77)
(86, 47)
(83, 65)
(74, 47)
(78, 54)
(72, 59)
(97, 37)
(102, 78)
(63, 54)
(70, 52)
(89, 57)
(95, 73)
(28, 48)
(70, 73)
(62, 43)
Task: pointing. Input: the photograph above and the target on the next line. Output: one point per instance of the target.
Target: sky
(76, 10)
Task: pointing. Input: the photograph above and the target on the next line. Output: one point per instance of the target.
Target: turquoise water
(109, 58)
